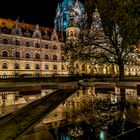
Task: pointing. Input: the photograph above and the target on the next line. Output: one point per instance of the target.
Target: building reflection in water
(73, 105)
(65, 120)
(108, 109)
(10, 101)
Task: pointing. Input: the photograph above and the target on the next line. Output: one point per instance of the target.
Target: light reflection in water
(12, 100)
(71, 111)
(74, 109)
(102, 135)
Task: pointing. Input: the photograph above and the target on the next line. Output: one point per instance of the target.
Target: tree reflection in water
(94, 118)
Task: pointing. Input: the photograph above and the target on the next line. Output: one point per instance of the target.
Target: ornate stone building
(62, 18)
(28, 49)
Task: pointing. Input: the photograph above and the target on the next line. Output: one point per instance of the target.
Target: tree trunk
(71, 68)
(121, 71)
(122, 90)
(123, 99)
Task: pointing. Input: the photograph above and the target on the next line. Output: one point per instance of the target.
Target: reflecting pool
(88, 114)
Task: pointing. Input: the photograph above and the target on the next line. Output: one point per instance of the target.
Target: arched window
(5, 41)
(27, 55)
(67, 66)
(63, 67)
(37, 45)
(46, 57)
(62, 47)
(77, 66)
(17, 43)
(37, 66)
(16, 66)
(55, 67)
(27, 66)
(54, 57)
(83, 67)
(71, 33)
(4, 66)
(77, 34)
(62, 57)
(46, 46)
(27, 44)
(37, 56)
(46, 67)
(17, 55)
(4, 54)
(54, 47)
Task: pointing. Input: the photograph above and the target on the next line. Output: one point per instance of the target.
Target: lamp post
(112, 66)
(69, 54)
(3, 100)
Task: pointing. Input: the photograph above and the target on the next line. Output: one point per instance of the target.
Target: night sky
(40, 12)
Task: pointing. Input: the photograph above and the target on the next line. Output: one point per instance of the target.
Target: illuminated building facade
(27, 49)
(32, 50)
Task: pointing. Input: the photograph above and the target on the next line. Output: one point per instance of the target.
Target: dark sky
(40, 12)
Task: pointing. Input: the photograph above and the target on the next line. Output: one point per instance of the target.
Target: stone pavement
(42, 135)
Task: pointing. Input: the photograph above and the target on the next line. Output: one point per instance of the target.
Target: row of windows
(27, 66)
(27, 55)
(132, 69)
(27, 44)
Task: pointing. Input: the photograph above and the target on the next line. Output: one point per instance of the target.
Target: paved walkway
(42, 135)
(18, 123)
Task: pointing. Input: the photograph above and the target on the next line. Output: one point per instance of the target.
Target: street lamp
(3, 100)
(112, 66)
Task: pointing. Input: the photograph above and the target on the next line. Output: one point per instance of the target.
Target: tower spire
(77, 7)
(76, 4)
(96, 27)
(37, 32)
(58, 10)
(72, 22)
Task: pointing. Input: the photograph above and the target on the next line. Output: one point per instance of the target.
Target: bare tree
(112, 41)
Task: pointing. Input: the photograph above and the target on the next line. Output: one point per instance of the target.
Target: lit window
(5, 41)
(17, 55)
(62, 58)
(37, 56)
(27, 55)
(46, 46)
(46, 67)
(83, 67)
(77, 66)
(27, 66)
(4, 66)
(37, 45)
(4, 54)
(54, 47)
(46, 57)
(55, 67)
(17, 43)
(16, 66)
(54, 57)
(27, 44)
(63, 67)
(71, 33)
(37, 66)
(78, 94)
